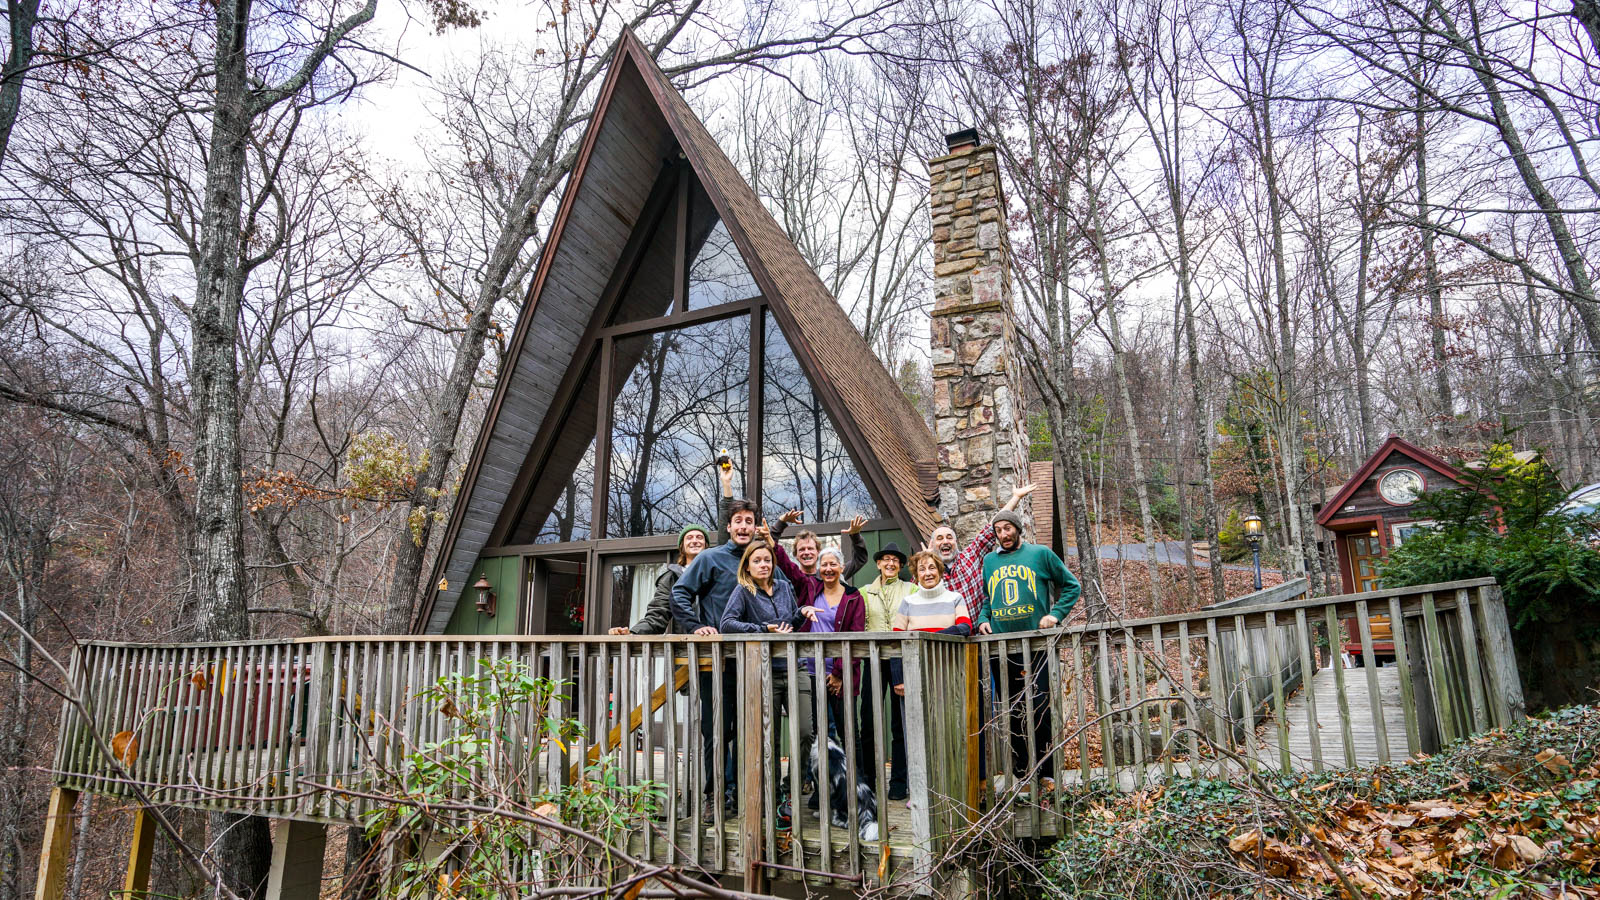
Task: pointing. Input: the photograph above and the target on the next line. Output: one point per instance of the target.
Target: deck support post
(297, 855)
(137, 880)
(752, 793)
(55, 854)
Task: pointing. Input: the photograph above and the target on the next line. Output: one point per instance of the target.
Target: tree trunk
(242, 843)
(1289, 438)
(444, 420)
(1141, 487)
(23, 15)
(80, 847)
(1431, 283)
(1580, 289)
(1066, 435)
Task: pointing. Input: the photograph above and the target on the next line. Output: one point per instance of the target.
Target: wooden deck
(315, 730)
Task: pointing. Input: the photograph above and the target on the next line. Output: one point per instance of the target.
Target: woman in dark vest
(658, 615)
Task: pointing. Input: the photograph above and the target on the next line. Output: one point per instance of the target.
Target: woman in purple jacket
(830, 604)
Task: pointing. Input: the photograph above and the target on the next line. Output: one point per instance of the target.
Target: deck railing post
(919, 784)
(320, 722)
(752, 793)
(973, 725)
(1505, 684)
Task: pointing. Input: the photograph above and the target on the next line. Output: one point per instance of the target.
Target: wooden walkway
(1364, 747)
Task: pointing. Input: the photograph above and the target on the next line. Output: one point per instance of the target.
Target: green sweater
(1018, 584)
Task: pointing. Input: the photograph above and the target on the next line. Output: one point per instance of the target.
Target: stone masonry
(977, 374)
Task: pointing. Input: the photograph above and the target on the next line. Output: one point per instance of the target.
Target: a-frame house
(670, 318)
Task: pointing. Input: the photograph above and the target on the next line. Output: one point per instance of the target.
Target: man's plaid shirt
(966, 573)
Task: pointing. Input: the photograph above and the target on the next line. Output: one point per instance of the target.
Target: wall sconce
(486, 597)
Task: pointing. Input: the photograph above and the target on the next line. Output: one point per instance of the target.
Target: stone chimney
(977, 374)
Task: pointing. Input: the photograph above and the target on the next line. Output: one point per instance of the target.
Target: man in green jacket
(1026, 588)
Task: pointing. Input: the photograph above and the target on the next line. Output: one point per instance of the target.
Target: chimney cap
(958, 140)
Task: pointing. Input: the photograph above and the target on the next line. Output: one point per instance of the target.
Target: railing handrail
(1225, 617)
(1267, 596)
(720, 638)
(1220, 613)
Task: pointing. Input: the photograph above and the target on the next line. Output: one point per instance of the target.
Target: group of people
(751, 584)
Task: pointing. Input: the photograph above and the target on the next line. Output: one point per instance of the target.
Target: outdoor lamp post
(486, 596)
(1252, 533)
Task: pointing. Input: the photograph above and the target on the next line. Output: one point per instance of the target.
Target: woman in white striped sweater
(932, 607)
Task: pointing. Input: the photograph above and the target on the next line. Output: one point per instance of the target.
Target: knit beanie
(1009, 515)
(704, 532)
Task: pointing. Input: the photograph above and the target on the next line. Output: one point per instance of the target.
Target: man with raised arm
(807, 546)
(698, 600)
(964, 569)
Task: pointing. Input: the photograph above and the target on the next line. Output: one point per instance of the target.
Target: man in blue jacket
(697, 603)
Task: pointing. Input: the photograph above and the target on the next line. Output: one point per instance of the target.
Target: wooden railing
(1213, 692)
(308, 729)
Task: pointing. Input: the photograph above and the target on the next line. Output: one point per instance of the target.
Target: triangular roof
(1394, 444)
(640, 120)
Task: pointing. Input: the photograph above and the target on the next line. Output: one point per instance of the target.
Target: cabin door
(557, 595)
(633, 586)
(1366, 552)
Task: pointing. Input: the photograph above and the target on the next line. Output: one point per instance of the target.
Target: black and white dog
(839, 788)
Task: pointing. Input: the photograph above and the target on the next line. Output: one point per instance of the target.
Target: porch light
(1373, 533)
(486, 598)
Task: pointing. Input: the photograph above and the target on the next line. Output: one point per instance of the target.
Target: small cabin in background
(1376, 509)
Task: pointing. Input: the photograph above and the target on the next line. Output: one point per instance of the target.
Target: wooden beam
(55, 855)
(296, 860)
(754, 424)
(680, 245)
(137, 880)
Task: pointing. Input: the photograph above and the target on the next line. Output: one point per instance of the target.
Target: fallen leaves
(1408, 851)
(1552, 761)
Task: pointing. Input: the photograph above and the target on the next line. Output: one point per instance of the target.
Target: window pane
(719, 274)
(569, 518)
(804, 465)
(684, 396)
(560, 500)
(633, 586)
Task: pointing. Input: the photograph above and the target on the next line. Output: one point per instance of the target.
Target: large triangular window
(667, 388)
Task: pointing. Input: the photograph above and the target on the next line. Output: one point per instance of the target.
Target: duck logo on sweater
(1014, 572)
